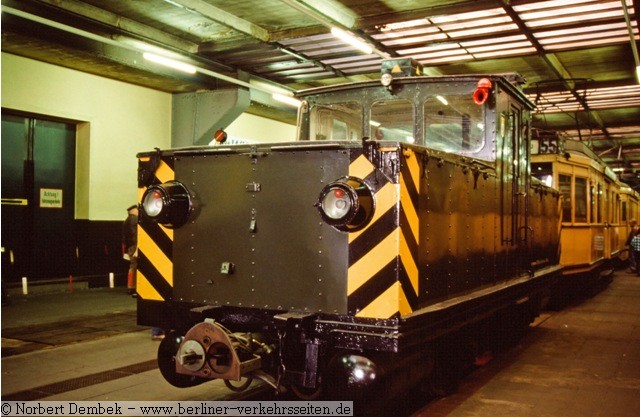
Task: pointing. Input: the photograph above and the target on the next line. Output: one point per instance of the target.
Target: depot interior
(86, 85)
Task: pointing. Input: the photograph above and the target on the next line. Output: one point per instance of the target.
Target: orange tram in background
(596, 209)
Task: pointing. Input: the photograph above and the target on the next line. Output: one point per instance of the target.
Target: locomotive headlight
(168, 204)
(346, 204)
(337, 203)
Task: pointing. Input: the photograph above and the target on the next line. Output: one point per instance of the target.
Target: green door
(38, 186)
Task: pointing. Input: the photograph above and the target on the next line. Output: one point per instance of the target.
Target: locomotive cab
(404, 211)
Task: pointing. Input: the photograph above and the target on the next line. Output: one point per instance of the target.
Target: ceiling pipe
(634, 48)
(88, 35)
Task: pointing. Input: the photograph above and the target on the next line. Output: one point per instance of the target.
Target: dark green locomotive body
(405, 212)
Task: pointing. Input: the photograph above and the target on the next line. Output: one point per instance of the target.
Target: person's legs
(133, 267)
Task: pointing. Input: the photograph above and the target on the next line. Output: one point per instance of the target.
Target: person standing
(632, 255)
(635, 248)
(130, 246)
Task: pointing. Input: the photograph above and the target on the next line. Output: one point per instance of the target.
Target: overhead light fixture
(352, 40)
(168, 62)
(638, 73)
(292, 101)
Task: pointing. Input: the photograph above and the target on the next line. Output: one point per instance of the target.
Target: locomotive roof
(507, 81)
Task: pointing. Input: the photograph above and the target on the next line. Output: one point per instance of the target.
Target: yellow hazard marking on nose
(361, 167)
(390, 302)
(164, 172)
(409, 263)
(159, 260)
(146, 290)
(409, 209)
(385, 199)
(167, 231)
(412, 163)
(367, 266)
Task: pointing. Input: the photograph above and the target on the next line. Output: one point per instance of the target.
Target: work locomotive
(400, 236)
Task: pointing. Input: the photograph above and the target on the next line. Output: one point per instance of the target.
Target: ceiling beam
(554, 64)
(336, 11)
(552, 87)
(329, 21)
(453, 7)
(223, 17)
(128, 25)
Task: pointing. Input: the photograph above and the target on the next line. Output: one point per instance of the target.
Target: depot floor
(581, 361)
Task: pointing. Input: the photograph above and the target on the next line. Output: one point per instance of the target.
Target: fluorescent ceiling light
(292, 101)
(547, 4)
(442, 100)
(570, 19)
(638, 73)
(374, 123)
(168, 62)
(476, 23)
(482, 14)
(498, 47)
(352, 40)
(595, 10)
(517, 51)
(404, 25)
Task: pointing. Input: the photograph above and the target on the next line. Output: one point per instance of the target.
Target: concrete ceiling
(579, 57)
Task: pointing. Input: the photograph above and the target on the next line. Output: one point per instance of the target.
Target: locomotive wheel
(167, 363)
(238, 388)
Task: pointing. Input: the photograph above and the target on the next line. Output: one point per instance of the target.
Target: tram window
(581, 200)
(392, 120)
(454, 124)
(339, 121)
(624, 211)
(544, 172)
(565, 188)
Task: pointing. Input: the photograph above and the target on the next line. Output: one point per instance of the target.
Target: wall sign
(51, 198)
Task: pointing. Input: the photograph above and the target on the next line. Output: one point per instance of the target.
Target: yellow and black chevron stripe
(155, 247)
(383, 275)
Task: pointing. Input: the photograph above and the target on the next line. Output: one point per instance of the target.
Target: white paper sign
(51, 198)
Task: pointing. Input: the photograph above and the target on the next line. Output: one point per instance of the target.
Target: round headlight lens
(347, 204)
(386, 79)
(337, 203)
(168, 204)
(153, 204)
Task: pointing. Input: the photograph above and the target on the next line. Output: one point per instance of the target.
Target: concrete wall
(115, 121)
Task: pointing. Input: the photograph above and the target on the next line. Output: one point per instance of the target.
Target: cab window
(392, 120)
(338, 121)
(454, 123)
